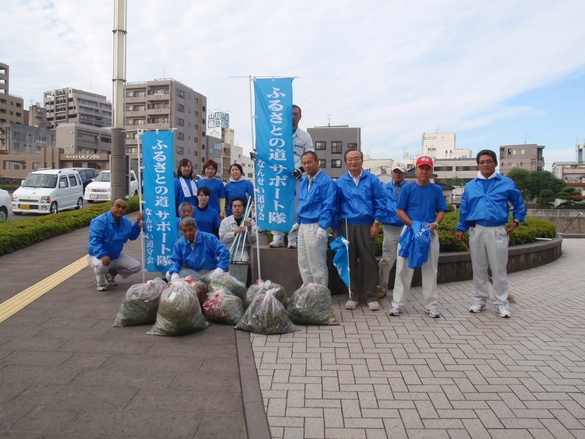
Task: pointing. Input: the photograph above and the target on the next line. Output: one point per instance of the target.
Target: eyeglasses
(486, 162)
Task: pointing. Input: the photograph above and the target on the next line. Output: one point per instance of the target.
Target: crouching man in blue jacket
(107, 235)
(198, 254)
(484, 212)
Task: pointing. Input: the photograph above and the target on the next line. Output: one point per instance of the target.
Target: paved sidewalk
(65, 372)
(461, 376)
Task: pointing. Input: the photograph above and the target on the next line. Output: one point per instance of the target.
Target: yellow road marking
(22, 299)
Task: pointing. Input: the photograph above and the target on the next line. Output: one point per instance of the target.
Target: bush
(16, 235)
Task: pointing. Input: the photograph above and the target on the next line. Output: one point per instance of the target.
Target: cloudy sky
(494, 72)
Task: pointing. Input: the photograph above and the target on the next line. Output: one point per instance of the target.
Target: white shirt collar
(481, 177)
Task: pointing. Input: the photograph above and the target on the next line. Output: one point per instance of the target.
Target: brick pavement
(461, 376)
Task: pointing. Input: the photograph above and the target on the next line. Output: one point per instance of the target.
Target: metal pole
(118, 156)
(143, 248)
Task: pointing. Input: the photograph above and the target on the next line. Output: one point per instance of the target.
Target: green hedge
(16, 235)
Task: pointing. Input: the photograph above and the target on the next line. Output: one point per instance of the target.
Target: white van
(100, 189)
(48, 191)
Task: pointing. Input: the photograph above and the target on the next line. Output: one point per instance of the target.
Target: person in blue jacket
(392, 226)
(237, 187)
(185, 187)
(216, 187)
(108, 233)
(315, 212)
(360, 206)
(206, 216)
(420, 201)
(484, 212)
(198, 254)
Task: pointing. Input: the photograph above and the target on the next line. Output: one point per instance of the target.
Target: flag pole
(140, 168)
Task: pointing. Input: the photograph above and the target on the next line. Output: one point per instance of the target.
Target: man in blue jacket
(317, 203)
(484, 212)
(107, 235)
(392, 226)
(361, 204)
(422, 203)
(198, 254)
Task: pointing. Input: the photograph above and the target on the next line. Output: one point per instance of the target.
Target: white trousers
(489, 247)
(278, 237)
(389, 254)
(429, 278)
(312, 255)
(124, 265)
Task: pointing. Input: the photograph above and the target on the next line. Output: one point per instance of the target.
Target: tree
(531, 184)
(456, 181)
(546, 199)
(571, 197)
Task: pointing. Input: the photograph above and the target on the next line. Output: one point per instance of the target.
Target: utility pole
(118, 157)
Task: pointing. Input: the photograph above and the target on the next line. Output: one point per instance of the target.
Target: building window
(335, 147)
(16, 134)
(180, 150)
(181, 121)
(181, 93)
(336, 163)
(351, 145)
(181, 107)
(180, 136)
(320, 145)
(322, 163)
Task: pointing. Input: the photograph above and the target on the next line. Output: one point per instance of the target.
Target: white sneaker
(434, 313)
(477, 307)
(374, 306)
(503, 311)
(274, 244)
(100, 287)
(351, 304)
(292, 246)
(394, 311)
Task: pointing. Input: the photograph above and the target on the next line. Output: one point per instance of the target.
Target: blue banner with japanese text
(160, 223)
(275, 185)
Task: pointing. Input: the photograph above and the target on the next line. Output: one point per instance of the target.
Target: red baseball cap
(424, 160)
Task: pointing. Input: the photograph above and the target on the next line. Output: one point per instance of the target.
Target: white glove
(322, 234)
(216, 273)
(298, 173)
(295, 227)
(172, 277)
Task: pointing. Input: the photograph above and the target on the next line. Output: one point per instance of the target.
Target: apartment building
(525, 156)
(331, 143)
(11, 106)
(167, 104)
(442, 145)
(69, 105)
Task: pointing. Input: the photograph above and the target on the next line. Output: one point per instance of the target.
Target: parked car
(5, 205)
(100, 189)
(48, 191)
(87, 174)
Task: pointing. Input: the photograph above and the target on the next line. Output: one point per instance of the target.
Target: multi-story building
(446, 169)
(331, 143)
(11, 106)
(580, 150)
(68, 105)
(526, 156)
(76, 138)
(442, 145)
(167, 104)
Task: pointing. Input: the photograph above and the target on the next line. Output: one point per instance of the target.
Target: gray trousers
(362, 247)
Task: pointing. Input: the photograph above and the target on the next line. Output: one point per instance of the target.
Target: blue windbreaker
(209, 254)
(415, 242)
(489, 208)
(319, 204)
(107, 238)
(216, 189)
(180, 196)
(390, 216)
(237, 189)
(362, 203)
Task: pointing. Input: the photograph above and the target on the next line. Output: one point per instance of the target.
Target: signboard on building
(215, 122)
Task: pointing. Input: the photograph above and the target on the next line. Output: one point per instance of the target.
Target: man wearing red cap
(420, 202)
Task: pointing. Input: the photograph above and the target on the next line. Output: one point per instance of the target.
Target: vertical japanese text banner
(160, 223)
(275, 185)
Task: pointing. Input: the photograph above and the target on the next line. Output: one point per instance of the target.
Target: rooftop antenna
(437, 128)
(328, 120)
(525, 137)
